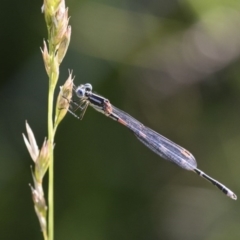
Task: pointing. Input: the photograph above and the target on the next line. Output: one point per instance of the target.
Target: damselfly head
(83, 91)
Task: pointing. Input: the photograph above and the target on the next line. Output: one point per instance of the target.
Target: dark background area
(174, 66)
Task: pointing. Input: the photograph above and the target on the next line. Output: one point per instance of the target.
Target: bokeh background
(173, 65)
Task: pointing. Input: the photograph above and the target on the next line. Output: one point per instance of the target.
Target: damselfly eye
(80, 92)
(88, 87)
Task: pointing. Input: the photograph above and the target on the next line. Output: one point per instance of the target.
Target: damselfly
(153, 140)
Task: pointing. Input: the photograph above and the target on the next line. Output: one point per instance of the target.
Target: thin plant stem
(59, 33)
(51, 164)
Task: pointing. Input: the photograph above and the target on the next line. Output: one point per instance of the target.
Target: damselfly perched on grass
(153, 140)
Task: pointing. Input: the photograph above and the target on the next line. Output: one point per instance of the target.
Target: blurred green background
(174, 66)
